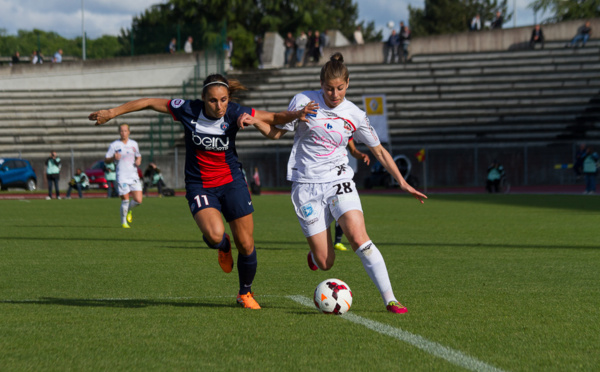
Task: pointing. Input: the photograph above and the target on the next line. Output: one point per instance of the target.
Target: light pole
(82, 33)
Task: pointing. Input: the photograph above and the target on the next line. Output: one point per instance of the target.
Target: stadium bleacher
(506, 98)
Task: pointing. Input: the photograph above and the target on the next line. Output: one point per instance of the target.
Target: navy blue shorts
(232, 199)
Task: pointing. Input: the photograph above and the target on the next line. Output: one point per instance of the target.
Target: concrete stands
(460, 99)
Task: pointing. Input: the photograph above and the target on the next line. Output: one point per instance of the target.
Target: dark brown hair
(335, 68)
(232, 85)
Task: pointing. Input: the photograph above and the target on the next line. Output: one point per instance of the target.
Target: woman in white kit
(323, 190)
(125, 153)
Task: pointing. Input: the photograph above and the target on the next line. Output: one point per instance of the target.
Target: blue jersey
(210, 157)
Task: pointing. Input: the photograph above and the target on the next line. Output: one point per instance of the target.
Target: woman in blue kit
(213, 175)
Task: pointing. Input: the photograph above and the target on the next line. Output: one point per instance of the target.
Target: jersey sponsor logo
(307, 210)
(330, 113)
(347, 127)
(327, 140)
(328, 126)
(310, 222)
(209, 143)
(177, 102)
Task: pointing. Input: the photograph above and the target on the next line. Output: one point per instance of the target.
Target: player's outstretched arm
(389, 164)
(284, 117)
(156, 104)
(267, 130)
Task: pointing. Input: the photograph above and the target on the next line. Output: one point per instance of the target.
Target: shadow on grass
(569, 202)
(119, 303)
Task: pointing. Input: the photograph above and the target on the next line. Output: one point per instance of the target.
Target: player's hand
(100, 117)
(418, 195)
(117, 156)
(244, 120)
(309, 110)
(366, 159)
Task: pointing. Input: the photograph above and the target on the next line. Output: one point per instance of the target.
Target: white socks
(374, 264)
(124, 209)
(133, 204)
(126, 206)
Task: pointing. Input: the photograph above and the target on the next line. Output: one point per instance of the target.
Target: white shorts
(126, 187)
(317, 205)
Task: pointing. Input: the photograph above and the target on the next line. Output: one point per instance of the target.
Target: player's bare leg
(213, 232)
(321, 250)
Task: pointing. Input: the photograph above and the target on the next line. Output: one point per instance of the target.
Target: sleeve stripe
(171, 111)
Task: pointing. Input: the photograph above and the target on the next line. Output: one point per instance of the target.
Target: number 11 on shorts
(197, 198)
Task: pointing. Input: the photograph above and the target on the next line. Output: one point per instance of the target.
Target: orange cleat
(226, 259)
(247, 301)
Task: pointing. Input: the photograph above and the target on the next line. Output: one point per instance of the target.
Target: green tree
(440, 17)
(205, 20)
(565, 10)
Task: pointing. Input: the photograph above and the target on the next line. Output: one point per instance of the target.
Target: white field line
(433, 348)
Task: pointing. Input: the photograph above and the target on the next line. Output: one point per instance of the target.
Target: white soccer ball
(391, 24)
(333, 296)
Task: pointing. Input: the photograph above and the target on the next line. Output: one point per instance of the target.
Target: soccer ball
(333, 296)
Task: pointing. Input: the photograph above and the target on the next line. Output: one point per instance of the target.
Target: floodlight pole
(82, 33)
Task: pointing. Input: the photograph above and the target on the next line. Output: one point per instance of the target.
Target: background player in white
(125, 153)
(323, 189)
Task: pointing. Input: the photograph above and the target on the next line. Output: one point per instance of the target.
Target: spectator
(537, 36)
(172, 47)
(289, 44)
(324, 41)
(259, 51)
(579, 156)
(393, 44)
(35, 59)
(405, 41)
(590, 169)
(153, 177)
(52, 169)
(495, 173)
(111, 178)
(301, 42)
(188, 45)
(316, 50)
(80, 182)
(57, 56)
(309, 47)
(229, 50)
(358, 36)
(475, 23)
(16, 58)
(583, 34)
(498, 21)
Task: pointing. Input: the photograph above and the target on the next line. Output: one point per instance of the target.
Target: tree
(440, 17)
(210, 21)
(565, 10)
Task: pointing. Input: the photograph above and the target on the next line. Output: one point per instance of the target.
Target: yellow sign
(374, 105)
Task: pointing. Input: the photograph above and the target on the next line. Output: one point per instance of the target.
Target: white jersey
(125, 168)
(319, 154)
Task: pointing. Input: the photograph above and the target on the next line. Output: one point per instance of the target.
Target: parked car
(96, 175)
(17, 173)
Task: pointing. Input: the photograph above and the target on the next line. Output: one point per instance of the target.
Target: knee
(213, 237)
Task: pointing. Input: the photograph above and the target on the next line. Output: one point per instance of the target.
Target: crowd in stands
(397, 45)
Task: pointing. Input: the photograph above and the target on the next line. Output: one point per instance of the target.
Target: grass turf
(511, 280)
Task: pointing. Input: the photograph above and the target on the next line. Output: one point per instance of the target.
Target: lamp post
(82, 33)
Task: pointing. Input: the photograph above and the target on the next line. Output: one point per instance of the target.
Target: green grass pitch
(512, 281)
